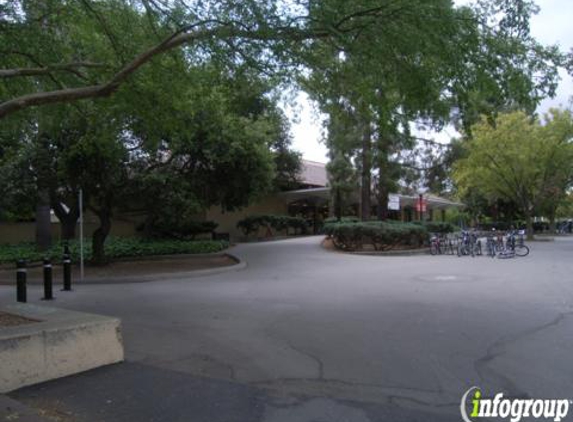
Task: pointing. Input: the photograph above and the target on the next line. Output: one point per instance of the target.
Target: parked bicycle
(441, 244)
(494, 243)
(513, 246)
(469, 244)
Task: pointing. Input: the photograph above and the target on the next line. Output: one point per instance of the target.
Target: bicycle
(469, 244)
(514, 246)
(441, 245)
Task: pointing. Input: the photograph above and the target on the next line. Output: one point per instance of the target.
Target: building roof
(323, 194)
(313, 173)
(314, 180)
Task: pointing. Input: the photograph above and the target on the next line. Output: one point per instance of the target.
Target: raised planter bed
(39, 343)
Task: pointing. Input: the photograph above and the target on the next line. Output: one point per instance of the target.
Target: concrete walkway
(303, 334)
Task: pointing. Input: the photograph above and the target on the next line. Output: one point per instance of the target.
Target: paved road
(307, 335)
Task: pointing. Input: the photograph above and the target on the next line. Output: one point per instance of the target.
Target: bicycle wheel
(521, 250)
(433, 248)
(450, 248)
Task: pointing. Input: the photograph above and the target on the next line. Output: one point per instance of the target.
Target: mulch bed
(141, 267)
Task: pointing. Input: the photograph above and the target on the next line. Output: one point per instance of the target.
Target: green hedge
(252, 223)
(182, 230)
(114, 248)
(332, 220)
(438, 226)
(382, 235)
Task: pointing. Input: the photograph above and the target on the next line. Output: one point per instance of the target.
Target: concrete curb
(166, 276)
(59, 343)
(157, 276)
(403, 252)
(406, 252)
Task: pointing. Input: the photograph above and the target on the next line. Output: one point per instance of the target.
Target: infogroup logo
(475, 406)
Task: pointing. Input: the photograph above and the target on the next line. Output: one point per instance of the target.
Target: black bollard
(48, 293)
(21, 274)
(67, 273)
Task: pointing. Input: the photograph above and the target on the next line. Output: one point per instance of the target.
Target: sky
(552, 25)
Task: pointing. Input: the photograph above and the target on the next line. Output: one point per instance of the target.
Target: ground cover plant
(116, 247)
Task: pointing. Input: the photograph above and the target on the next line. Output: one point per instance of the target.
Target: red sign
(421, 205)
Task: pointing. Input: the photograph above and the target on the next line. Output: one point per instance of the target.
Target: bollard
(48, 293)
(67, 273)
(21, 295)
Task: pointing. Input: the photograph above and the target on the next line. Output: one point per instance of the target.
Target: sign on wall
(394, 202)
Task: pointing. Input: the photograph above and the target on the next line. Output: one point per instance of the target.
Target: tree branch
(38, 71)
(106, 89)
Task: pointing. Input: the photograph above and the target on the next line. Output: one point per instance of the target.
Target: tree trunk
(338, 205)
(365, 188)
(382, 208)
(552, 224)
(529, 222)
(383, 180)
(99, 236)
(68, 219)
(43, 223)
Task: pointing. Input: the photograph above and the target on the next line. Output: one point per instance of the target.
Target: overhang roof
(323, 194)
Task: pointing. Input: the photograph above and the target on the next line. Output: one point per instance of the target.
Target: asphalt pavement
(307, 335)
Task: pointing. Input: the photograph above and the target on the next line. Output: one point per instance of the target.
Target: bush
(331, 220)
(252, 223)
(115, 247)
(182, 230)
(382, 235)
(439, 227)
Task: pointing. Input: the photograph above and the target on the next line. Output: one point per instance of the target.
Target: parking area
(304, 334)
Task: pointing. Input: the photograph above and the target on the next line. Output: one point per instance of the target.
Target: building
(312, 201)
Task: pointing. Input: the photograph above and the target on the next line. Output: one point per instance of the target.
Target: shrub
(382, 235)
(183, 230)
(252, 223)
(115, 247)
(331, 220)
(439, 227)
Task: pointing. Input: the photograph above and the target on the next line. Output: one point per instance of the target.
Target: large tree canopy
(437, 65)
(81, 49)
(54, 40)
(520, 159)
(182, 134)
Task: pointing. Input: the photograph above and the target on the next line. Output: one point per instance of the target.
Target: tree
(520, 160)
(436, 65)
(342, 181)
(269, 35)
(558, 132)
(287, 163)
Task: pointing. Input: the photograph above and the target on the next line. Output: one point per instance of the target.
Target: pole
(48, 293)
(81, 199)
(21, 295)
(67, 272)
